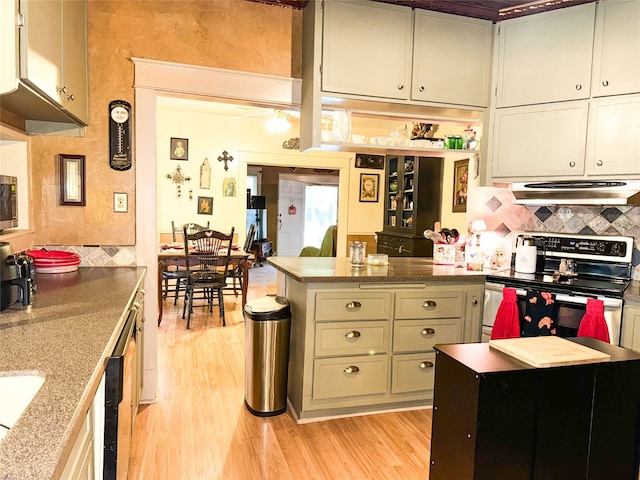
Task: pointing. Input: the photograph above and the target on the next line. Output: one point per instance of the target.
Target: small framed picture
(120, 202)
(179, 149)
(364, 160)
(205, 205)
(72, 188)
(229, 187)
(460, 185)
(369, 187)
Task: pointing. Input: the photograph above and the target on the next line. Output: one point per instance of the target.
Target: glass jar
(357, 253)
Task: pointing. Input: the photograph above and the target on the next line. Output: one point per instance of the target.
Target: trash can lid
(269, 307)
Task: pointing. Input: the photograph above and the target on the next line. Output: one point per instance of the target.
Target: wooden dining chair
(212, 250)
(173, 279)
(236, 274)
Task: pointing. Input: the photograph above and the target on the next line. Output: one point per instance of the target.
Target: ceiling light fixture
(278, 123)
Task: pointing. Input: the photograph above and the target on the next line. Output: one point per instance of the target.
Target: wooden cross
(225, 158)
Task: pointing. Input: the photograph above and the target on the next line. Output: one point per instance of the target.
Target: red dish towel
(507, 323)
(593, 323)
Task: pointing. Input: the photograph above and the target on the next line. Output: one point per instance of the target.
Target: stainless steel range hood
(578, 192)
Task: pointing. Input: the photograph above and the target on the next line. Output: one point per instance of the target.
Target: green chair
(327, 248)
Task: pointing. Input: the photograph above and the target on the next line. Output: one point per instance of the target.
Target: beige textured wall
(231, 34)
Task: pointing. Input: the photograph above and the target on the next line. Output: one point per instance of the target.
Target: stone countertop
(632, 292)
(400, 269)
(65, 336)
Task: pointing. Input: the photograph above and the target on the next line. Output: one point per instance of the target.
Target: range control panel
(611, 248)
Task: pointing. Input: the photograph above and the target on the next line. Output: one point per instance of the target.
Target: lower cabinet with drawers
(369, 347)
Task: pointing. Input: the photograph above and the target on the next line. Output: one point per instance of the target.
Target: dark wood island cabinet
(495, 417)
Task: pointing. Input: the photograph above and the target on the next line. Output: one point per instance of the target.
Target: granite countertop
(632, 292)
(65, 336)
(400, 269)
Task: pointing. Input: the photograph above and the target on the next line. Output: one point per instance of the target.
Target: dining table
(173, 255)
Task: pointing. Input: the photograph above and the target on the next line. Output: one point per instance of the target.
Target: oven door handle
(561, 297)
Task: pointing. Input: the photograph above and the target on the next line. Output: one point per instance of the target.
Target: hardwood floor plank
(200, 428)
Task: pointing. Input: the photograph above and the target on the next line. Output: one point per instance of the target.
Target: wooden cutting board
(543, 352)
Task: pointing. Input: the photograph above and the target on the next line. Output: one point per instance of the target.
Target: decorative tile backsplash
(99, 256)
(505, 219)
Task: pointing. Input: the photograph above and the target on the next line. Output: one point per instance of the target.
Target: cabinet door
(630, 335)
(74, 71)
(41, 46)
(545, 57)
(613, 144)
(540, 141)
(616, 51)
(458, 70)
(367, 49)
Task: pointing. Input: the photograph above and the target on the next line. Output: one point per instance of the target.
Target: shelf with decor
(413, 187)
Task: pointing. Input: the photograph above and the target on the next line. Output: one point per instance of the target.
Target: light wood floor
(201, 430)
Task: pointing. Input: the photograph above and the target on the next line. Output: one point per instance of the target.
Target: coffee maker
(17, 273)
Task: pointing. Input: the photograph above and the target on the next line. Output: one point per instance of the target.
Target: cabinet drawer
(420, 335)
(426, 305)
(332, 378)
(353, 306)
(412, 373)
(353, 338)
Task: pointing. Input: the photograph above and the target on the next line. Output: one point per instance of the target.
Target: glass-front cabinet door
(401, 190)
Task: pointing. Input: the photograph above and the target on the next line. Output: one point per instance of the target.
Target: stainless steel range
(574, 268)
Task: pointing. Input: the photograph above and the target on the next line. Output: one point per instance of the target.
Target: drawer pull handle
(427, 331)
(429, 303)
(352, 334)
(351, 369)
(353, 305)
(427, 364)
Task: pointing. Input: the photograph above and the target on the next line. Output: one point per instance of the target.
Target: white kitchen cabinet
(545, 57)
(540, 141)
(613, 143)
(53, 53)
(616, 51)
(451, 59)
(367, 49)
(41, 46)
(80, 464)
(630, 335)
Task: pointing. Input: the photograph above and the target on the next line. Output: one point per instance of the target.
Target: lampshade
(478, 226)
(278, 123)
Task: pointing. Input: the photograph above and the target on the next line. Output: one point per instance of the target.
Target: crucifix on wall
(225, 157)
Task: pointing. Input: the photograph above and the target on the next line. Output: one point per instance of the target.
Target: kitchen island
(65, 336)
(362, 338)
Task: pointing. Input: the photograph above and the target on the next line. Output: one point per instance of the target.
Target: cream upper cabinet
(367, 49)
(545, 57)
(41, 46)
(74, 67)
(540, 141)
(616, 51)
(451, 59)
(53, 52)
(613, 144)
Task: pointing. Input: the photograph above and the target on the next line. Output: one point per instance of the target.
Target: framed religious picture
(179, 149)
(369, 187)
(229, 187)
(205, 205)
(460, 185)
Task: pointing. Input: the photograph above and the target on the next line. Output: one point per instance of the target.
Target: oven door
(571, 309)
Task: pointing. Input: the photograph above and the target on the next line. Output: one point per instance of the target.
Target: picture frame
(460, 185)
(120, 202)
(72, 180)
(365, 160)
(205, 205)
(229, 187)
(179, 149)
(369, 186)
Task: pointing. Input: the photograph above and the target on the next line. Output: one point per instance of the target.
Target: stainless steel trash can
(267, 326)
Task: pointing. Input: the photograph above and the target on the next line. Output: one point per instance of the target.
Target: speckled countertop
(632, 293)
(400, 269)
(65, 336)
